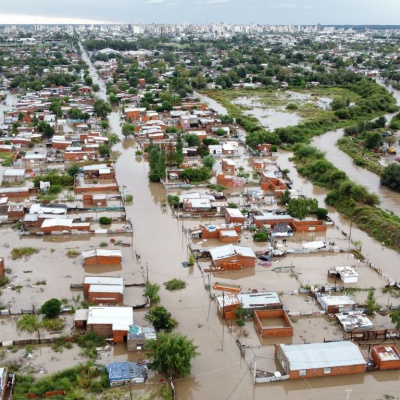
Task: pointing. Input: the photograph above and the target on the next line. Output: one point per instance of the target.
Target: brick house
(139, 335)
(312, 360)
(386, 357)
(231, 253)
(103, 289)
(102, 257)
(284, 328)
(233, 215)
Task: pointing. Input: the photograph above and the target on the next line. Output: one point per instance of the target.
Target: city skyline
(264, 12)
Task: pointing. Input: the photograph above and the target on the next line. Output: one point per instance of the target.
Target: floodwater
(219, 372)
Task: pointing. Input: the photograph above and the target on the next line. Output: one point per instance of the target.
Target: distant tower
(319, 28)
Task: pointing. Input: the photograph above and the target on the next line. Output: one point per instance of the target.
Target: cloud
(155, 1)
(282, 6)
(308, 8)
(212, 2)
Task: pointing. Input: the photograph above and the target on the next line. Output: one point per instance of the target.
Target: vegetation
(21, 252)
(128, 198)
(51, 308)
(370, 304)
(72, 253)
(172, 354)
(105, 220)
(161, 319)
(390, 177)
(395, 318)
(128, 130)
(175, 284)
(260, 236)
(301, 207)
(173, 201)
(240, 314)
(151, 292)
(28, 323)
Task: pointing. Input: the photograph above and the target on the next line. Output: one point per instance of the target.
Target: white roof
(228, 161)
(103, 280)
(326, 301)
(234, 212)
(254, 300)
(119, 317)
(106, 288)
(101, 253)
(322, 355)
(14, 172)
(47, 223)
(218, 253)
(229, 233)
(199, 203)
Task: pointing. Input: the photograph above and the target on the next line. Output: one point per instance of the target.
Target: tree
(370, 303)
(104, 150)
(209, 161)
(73, 169)
(51, 308)
(128, 130)
(301, 207)
(192, 140)
(395, 318)
(101, 108)
(390, 177)
(172, 354)
(46, 129)
(373, 140)
(113, 139)
(161, 319)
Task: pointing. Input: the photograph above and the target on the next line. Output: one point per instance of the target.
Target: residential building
(120, 373)
(139, 335)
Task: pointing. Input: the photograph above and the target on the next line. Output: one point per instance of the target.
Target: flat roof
(14, 172)
(106, 289)
(101, 253)
(335, 300)
(322, 355)
(119, 317)
(50, 222)
(103, 280)
(126, 371)
(229, 250)
(229, 233)
(254, 300)
(234, 212)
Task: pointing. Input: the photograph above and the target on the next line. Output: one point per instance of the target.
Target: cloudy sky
(264, 12)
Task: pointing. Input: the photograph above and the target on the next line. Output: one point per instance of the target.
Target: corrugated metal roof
(48, 223)
(229, 250)
(322, 355)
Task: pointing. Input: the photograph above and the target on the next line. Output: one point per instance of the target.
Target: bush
(175, 284)
(105, 221)
(151, 292)
(51, 308)
(128, 198)
(71, 253)
(28, 322)
(20, 252)
(161, 319)
(261, 236)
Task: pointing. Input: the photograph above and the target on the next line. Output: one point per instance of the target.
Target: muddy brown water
(219, 372)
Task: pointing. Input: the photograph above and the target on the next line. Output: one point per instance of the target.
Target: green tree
(208, 161)
(104, 150)
(192, 140)
(46, 129)
(395, 318)
(301, 207)
(390, 177)
(113, 139)
(373, 140)
(73, 169)
(172, 354)
(101, 108)
(370, 303)
(161, 319)
(51, 308)
(128, 130)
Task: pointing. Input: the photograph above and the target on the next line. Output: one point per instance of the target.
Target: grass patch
(28, 323)
(21, 252)
(175, 284)
(103, 244)
(53, 324)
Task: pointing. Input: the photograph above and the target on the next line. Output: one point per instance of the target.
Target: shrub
(20, 252)
(51, 308)
(105, 220)
(28, 322)
(175, 284)
(160, 318)
(72, 253)
(151, 292)
(128, 198)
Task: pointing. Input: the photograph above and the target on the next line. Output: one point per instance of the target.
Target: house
(14, 175)
(244, 256)
(215, 149)
(22, 191)
(312, 360)
(120, 373)
(228, 166)
(233, 215)
(227, 303)
(271, 219)
(110, 322)
(139, 335)
(386, 357)
(50, 225)
(15, 212)
(3, 382)
(96, 200)
(346, 273)
(103, 289)
(336, 304)
(102, 257)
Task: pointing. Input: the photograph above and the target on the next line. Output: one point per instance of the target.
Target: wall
(384, 365)
(285, 331)
(101, 329)
(308, 226)
(103, 260)
(109, 298)
(243, 261)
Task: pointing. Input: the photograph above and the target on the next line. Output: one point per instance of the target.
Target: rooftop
(127, 371)
(119, 317)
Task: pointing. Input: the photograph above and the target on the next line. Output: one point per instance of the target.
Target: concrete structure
(15, 213)
(102, 257)
(13, 175)
(103, 289)
(120, 373)
(336, 304)
(386, 357)
(230, 253)
(63, 224)
(273, 323)
(233, 215)
(111, 322)
(139, 335)
(320, 359)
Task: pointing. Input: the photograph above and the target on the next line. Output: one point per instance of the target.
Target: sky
(264, 12)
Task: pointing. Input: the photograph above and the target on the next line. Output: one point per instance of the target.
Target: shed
(320, 359)
(120, 373)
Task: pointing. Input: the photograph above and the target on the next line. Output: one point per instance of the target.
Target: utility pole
(147, 273)
(223, 320)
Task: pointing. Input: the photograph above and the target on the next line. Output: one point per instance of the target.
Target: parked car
(264, 257)
(386, 134)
